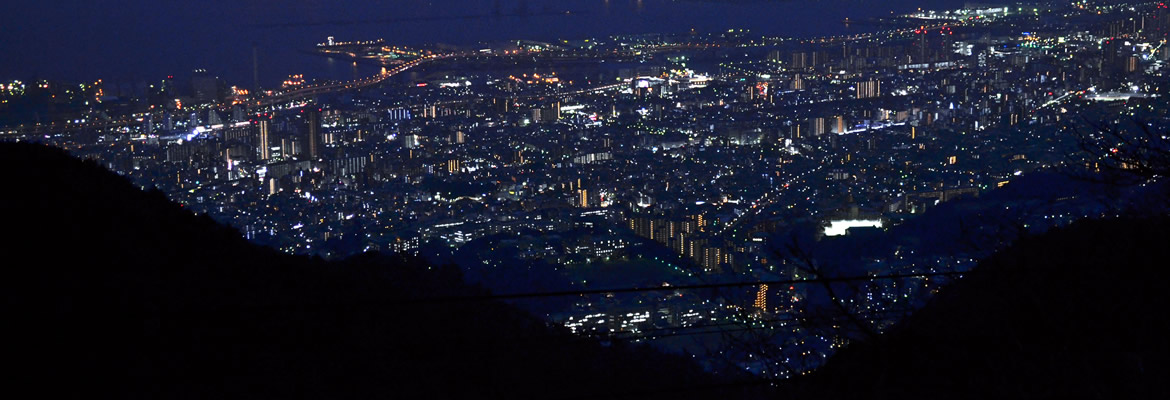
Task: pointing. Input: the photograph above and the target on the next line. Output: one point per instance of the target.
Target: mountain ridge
(117, 291)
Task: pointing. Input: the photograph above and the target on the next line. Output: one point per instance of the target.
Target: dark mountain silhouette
(1077, 312)
(111, 291)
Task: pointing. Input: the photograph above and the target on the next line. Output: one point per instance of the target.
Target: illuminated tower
(262, 144)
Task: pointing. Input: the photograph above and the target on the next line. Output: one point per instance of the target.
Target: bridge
(314, 90)
(58, 127)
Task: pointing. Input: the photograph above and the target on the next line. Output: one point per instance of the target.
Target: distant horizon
(144, 41)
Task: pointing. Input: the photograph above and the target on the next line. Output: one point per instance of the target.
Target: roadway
(57, 127)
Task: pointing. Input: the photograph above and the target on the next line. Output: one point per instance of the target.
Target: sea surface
(131, 41)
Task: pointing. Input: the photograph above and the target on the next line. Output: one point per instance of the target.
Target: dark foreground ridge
(1078, 312)
(113, 291)
(110, 290)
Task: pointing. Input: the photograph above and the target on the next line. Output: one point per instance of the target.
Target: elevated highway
(58, 127)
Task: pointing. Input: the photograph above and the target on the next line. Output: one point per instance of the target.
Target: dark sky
(129, 40)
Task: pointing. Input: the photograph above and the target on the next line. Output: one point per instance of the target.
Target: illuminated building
(839, 125)
(869, 89)
(799, 60)
(817, 126)
(762, 297)
(550, 113)
(313, 118)
(410, 141)
(797, 82)
(213, 118)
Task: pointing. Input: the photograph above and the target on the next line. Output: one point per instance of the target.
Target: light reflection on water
(140, 39)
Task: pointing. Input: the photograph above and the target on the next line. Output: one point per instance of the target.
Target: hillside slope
(112, 291)
(1077, 312)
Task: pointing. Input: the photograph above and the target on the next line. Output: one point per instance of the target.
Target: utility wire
(506, 296)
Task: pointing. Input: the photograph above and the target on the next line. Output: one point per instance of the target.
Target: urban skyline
(686, 190)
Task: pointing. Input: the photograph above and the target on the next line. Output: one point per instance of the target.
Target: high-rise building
(410, 141)
(213, 118)
(817, 126)
(263, 147)
(237, 114)
(1131, 64)
(204, 86)
(762, 297)
(1111, 58)
(548, 113)
(713, 257)
(797, 82)
(289, 147)
(869, 89)
(799, 60)
(839, 125)
(313, 139)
